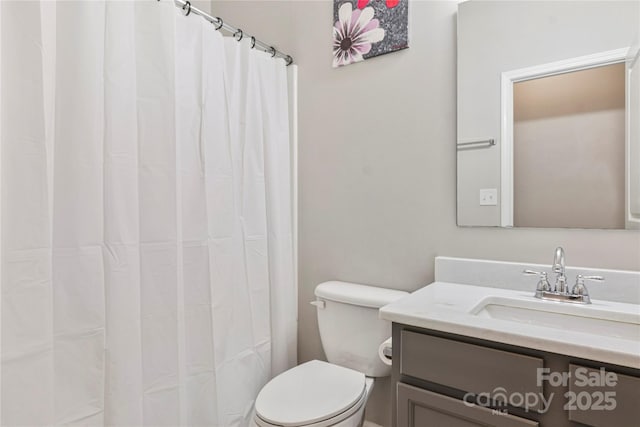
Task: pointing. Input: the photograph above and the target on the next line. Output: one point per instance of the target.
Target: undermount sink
(617, 321)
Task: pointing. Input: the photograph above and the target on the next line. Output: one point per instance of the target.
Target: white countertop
(447, 307)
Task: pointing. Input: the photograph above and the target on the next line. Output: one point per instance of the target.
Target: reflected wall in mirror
(556, 86)
(568, 149)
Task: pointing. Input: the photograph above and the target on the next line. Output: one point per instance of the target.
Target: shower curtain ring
(238, 35)
(253, 42)
(273, 51)
(188, 6)
(289, 60)
(220, 23)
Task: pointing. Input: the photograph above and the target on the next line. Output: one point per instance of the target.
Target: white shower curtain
(147, 263)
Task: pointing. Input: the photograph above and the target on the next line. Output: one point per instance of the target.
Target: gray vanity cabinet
(442, 379)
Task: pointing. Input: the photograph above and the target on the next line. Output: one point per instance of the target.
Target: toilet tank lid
(360, 295)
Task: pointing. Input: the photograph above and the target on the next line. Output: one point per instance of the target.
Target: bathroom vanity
(476, 348)
(445, 379)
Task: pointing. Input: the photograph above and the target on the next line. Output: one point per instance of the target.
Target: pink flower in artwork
(353, 34)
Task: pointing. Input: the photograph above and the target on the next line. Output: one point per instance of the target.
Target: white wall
(378, 165)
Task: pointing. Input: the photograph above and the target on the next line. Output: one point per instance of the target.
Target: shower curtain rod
(238, 34)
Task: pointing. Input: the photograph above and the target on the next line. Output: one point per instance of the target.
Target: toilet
(333, 393)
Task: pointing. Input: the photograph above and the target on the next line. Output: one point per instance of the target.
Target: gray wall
(377, 165)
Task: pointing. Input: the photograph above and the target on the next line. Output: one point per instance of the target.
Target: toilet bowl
(314, 394)
(333, 393)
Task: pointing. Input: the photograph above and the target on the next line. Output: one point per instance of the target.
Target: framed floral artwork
(363, 29)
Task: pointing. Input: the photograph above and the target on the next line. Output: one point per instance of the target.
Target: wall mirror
(548, 114)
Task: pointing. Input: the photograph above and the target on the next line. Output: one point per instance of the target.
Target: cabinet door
(422, 408)
(594, 403)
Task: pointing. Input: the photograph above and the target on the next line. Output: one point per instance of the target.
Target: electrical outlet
(488, 196)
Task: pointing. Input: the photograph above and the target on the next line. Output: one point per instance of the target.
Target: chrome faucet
(559, 268)
(560, 292)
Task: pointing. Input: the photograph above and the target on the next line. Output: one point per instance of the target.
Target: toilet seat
(314, 394)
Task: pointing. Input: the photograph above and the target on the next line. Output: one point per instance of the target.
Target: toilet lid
(309, 393)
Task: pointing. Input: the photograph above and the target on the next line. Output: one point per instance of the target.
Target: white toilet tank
(349, 325)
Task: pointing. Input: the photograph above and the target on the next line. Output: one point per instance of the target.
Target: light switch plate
(488, 196)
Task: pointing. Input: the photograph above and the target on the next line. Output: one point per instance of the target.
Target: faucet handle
(596, 278)
(579, 288)
(543, 284)
(531, 273)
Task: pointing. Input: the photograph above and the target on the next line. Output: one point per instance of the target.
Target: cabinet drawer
(469, 367)
(422, 408)
(592, 404)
